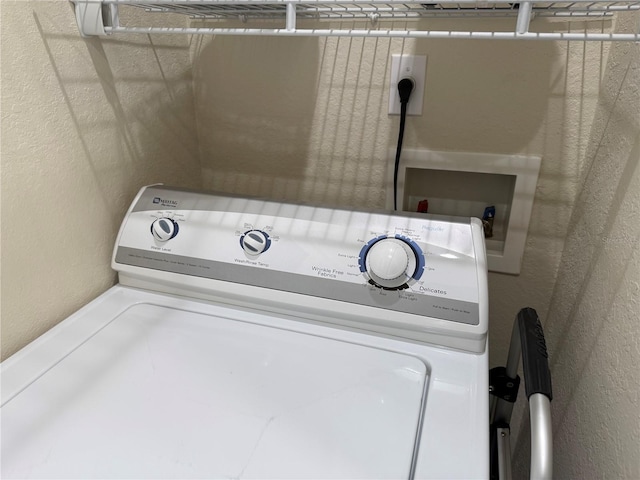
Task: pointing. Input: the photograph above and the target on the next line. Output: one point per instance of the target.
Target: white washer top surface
(141, 385)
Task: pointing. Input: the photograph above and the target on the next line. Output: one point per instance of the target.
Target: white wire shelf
(372, 17)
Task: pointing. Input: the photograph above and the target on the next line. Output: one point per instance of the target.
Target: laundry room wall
(306, 120)
(592, 326)
(85, 123)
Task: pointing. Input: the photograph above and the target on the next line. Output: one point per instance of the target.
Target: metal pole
(504, 453)
(541, 437)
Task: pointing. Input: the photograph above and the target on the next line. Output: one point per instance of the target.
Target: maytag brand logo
(165, 203)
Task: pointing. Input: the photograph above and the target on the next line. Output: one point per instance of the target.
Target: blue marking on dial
(365, 249)
(417, 251)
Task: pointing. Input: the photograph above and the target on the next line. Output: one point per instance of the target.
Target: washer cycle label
(436, 291)
(316, 285)
(327, 272)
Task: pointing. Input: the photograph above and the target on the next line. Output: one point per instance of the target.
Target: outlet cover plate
(414, 66)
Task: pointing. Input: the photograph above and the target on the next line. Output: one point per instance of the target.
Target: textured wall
(306, 119)
(85, 123)
(593, 328)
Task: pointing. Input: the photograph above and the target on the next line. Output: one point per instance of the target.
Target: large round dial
(391, 262)
(254, 242)
(164, 229)
(388, 260)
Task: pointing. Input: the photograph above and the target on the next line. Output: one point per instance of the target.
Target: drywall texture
(85, 123)
(306, 119)
(592, 327)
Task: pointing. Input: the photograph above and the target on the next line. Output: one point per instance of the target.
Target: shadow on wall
(484, 95)
(310, 114)
(132, 112)
(592, 329)
(255, 102)
(85, 124)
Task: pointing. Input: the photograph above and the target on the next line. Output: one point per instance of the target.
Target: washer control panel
(409, 263)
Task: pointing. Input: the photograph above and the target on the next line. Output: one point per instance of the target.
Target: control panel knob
(388, 260)
(391, 262)
(254, 242)
(164, 229)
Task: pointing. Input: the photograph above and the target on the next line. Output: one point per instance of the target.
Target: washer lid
(164, 393)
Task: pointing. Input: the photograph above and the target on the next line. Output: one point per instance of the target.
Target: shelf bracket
(90, 18)
(524, 18)
(291, 16)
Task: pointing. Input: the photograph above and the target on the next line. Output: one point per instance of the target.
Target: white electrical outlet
(415, 67)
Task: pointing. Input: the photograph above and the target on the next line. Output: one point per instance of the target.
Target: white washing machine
(254, 339)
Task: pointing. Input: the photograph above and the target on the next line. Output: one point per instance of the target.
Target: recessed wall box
(464, 184)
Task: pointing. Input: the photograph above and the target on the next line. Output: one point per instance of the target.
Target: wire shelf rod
(570, 36)
(393, 12)
(398, 4)
(384, 10)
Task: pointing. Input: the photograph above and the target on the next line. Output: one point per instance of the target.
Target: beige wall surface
(85, 124)
(593, 327)
(306, 119)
